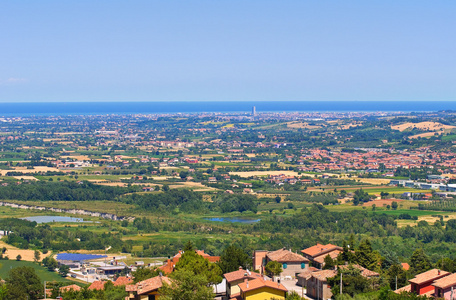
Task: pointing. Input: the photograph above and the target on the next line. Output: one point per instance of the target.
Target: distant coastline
(97, 108)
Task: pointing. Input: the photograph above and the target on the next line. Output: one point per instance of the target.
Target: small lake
(50, 219)
(233, 220)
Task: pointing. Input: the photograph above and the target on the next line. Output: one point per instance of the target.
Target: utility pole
(45, 290)
(341, 283)
(396, 282)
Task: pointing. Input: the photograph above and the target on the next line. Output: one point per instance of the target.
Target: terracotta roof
(364, 272)
(148, 285)
(122, 280)
(407, 288)
(307, 273)
(428, 276)
(446, 281)
(318, 249)
(167, 268)
(283, 255)
(67, 288)
(97, 285)
(259, 283)
(405, 266)
(324, 274)
(333, 254)
(240, 274)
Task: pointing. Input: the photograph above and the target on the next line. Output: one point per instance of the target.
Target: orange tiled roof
(405, 266)
(324, 274)
(259, 283)
(123, 280)
(364, 272)
(333, 254)
(148, 285)
(283, 255)
(428, 276)
(97, 285)
(307, 273)
(446, 281)
(240, 274)
(318, 249)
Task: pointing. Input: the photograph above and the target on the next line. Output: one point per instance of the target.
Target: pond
(50, 219)
(234, 220)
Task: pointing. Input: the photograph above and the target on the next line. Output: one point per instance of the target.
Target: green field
(43, 273)
(412, 212)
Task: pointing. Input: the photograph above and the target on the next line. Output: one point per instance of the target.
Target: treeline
(323, 198)
(438, 205)
(62, 191)
(319, 218)
(25, 234)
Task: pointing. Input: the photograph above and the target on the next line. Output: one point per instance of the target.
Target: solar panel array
(78, 257)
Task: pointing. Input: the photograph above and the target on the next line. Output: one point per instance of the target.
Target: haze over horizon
(54, 51)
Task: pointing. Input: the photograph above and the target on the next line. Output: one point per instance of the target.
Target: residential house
(233, 279)
(317, 282)
(445, 287)
(422, 283)
(316, 254)
(259, 289)
(292, 263)
(317, 285)
(146, 289)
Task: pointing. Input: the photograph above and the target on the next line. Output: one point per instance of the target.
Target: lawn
(43, 273)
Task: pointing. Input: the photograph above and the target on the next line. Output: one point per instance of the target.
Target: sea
(162, 107)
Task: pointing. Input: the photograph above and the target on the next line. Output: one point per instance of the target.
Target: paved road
(291, 286)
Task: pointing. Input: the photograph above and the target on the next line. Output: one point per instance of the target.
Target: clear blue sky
(219, 50)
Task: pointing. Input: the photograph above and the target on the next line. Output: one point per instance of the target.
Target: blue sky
(233, 50)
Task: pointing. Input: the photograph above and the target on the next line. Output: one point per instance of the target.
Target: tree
(293, 296)
(394, 205)
(353, 282)
(232, 258)
(198, 265)
(329, 263)
(50, 263)
(18, 257)
(63, 270)
(144, 273)
(419, 262)
(36, 256)
(23, 283)
(365, 256)
(396, 271)
(273, 268)
(185, 285)
(384, 195)
(278, 199)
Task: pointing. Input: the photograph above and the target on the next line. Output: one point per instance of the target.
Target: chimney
(246, 282)
(240, 268)
(438, 272)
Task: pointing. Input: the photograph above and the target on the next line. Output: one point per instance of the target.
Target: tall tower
(253, 111)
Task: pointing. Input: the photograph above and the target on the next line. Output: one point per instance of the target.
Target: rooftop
(446, 281)
(430, 275)
(259, 283)
(283, 255)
